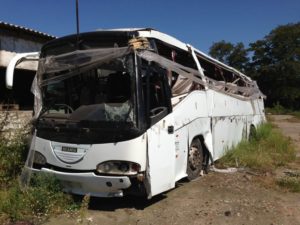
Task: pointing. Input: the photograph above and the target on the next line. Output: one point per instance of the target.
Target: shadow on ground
(112, 204)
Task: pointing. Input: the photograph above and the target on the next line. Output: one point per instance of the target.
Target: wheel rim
(194, 158)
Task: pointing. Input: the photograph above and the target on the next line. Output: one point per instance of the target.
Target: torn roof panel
(152, 33)
(139, 32)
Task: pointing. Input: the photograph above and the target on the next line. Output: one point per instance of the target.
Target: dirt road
(213, 199)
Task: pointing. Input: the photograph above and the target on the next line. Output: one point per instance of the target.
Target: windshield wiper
(45, 109)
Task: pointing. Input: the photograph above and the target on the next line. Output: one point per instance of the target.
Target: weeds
(296, 114)
(268, 150)
(41, 199)
(290, 183)
(45, 196)
(277, 109)
(290, 180)
(82, 213)
(265, 152)
(12, 158)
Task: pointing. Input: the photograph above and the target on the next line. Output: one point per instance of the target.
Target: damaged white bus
(133, 111)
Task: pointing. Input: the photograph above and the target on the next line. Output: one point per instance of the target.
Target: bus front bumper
(90, 183)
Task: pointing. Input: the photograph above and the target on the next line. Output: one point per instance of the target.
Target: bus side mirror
(17, 59)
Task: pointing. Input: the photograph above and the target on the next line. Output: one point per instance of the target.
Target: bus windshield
(101, 91)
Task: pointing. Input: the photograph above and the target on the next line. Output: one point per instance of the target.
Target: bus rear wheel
(195, 160)
(252, 134)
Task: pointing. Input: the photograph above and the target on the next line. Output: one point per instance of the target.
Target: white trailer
(133, 111)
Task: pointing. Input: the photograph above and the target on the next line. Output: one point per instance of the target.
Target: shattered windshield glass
(88, 88)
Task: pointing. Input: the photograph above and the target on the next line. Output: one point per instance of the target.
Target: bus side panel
(225, 105)
(257, 120)
(229, 121)
(258, 117)
(262, 116)
(183, 139)
(227, 133)
(191, 120)
(181, 149)
(201, 127)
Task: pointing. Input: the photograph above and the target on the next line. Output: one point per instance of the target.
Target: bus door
(161, 156)
(161, 138)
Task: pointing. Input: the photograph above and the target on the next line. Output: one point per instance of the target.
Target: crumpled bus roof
(187, 76)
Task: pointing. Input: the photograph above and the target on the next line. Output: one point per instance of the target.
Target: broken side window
(175, 54)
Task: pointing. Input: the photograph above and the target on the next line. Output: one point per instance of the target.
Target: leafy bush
(12, 158)
(12, 204)
(268, 149)
(278, 109)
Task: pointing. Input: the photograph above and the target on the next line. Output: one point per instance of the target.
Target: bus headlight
(118, 167)
(39, 158)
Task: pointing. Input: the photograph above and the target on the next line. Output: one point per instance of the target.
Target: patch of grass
(45, 195)
(41, 199)
(277, 109)
(290, 183)
(82, 212)
(296, 114)
(37, 202)
(267, 150)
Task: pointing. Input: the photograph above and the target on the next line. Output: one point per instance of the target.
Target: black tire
(252, 134)
(195, 159)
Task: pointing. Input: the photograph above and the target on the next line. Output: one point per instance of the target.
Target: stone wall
(13, 123)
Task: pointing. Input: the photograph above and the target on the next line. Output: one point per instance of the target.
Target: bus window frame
(148, 69)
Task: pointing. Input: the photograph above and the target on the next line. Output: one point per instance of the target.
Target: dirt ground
(217, 198)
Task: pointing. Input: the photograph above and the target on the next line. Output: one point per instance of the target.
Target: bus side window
(175, 54)
(156, 92)
(157, 97)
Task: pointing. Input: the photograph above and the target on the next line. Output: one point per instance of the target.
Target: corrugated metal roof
(25, 29)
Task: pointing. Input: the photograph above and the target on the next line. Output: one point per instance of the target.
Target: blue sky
(197, 22)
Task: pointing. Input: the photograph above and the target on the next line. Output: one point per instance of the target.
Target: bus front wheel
(195, 159)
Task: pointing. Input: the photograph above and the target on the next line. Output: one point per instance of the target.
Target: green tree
(276, 65)
(230, 54)
(221, 50)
